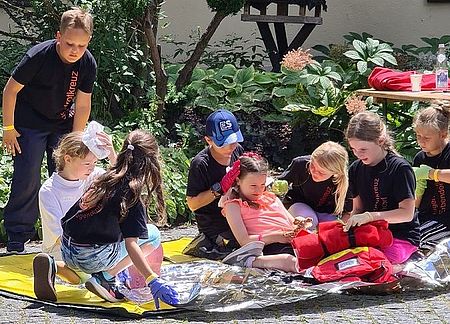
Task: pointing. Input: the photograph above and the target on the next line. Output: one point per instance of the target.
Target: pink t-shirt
(269, 217)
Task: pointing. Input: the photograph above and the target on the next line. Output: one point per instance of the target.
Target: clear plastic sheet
(225, 288)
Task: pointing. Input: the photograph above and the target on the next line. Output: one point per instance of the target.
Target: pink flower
(355, 104)
(296, 60)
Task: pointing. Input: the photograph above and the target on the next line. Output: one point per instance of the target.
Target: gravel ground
(411, 307)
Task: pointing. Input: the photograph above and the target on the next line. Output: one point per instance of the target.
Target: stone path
(411, 307)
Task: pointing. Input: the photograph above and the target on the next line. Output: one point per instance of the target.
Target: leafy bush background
(282, 114)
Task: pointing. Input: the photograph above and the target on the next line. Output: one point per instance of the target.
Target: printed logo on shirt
(381, 203)
(325, 196)
(439, 200)
(69, 104)
(84, 214)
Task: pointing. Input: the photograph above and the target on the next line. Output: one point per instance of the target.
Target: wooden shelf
(282, 19)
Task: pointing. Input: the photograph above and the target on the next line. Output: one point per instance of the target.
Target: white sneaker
(241, 255)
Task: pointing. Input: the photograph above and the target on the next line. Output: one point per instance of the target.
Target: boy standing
(48, 95)
(206, 184)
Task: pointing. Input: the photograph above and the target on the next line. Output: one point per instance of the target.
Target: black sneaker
(44, 270)
(13, 247)
(106, 289)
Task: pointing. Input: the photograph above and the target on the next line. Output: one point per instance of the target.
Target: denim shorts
(91, 258)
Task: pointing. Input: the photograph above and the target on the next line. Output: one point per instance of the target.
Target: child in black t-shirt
(47, 96)
(382, 185)
(208, 181)
(433, 173)
(319, 183)
(106, 230)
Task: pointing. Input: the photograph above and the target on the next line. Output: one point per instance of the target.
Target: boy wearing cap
(47, 95)
(204, 188)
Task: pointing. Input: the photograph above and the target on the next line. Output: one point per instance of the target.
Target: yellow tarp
(16, 278)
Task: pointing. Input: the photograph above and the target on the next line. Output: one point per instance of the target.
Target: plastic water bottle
(441, 70)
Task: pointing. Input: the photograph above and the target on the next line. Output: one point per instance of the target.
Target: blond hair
(435, 116)
(71, 145)
(77, 18)
(369, 127)
(333, 157)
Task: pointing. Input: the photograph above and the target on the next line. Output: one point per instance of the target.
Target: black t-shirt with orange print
(435, 203)
(46, 101)
(382, 187)
(317, 195)
(102, 225)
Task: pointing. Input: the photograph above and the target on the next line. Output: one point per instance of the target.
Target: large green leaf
(262, 78)
(360, 47)
(198, 74)
(245, 75)
(388, 58)
(376, 60)
(208, 102)
(297, 107)
(227, 70)
(334, 76)
(284, 91)
(353, 55)
(292, 79)
(362, 67)
(383, 47)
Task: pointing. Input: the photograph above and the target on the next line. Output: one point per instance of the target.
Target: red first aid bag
(358, 264)
(387, 79)
(310, 248)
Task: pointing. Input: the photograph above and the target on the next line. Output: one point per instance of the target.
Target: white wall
(397, 21)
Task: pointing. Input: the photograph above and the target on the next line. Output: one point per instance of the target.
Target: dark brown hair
(249, 164)
(368, 126)
(137, 170)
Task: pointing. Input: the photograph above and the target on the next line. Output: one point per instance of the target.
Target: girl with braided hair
(433, 173)
(382, 185)
(106, 230)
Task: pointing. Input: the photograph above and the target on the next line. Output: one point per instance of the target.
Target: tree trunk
(160, 74)
(186, 72)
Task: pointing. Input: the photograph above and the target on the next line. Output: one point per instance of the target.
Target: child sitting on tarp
(106, 230)
(382, 185)
(433, 175)
(319, 184)
(76, 170)
(259, 219)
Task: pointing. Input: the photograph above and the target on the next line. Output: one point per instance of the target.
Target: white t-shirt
(56, 196)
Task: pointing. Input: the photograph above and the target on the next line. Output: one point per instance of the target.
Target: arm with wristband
(10, 134)
(425, 172)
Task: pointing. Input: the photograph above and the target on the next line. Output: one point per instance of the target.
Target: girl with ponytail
(382, 185)
(433, 173)
(108, 228)
(319, 184)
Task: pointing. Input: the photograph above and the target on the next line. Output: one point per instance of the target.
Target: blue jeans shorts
(92, 258)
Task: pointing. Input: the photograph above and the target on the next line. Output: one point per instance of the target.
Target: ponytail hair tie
(130, 147)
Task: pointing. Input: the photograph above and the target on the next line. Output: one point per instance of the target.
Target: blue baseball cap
(223, 128)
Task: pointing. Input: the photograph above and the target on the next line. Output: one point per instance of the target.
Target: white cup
(416, 82)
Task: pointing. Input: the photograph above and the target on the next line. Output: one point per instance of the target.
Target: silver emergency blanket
(216, 287)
